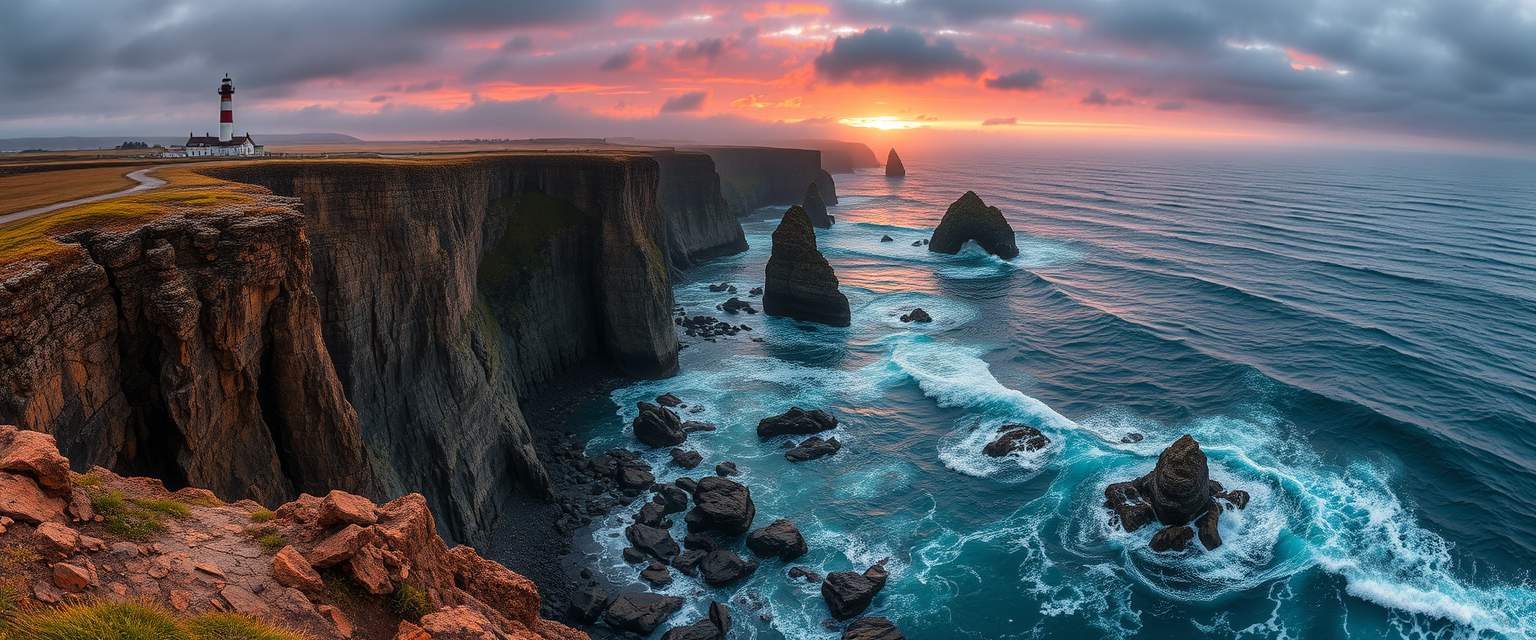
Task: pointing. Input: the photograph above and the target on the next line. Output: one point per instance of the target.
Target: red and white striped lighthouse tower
(226, 110)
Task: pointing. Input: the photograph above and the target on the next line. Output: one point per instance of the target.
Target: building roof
(213, 141)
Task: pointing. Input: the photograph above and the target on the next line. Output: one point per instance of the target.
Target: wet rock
(686, 459)
(1206, 526)
(1125, 501)
(587, 603)
(799, 282)
(1016, 437)
(737, 305)
(780, 539)
(657, 574)
(688, 561)
(721, 505)
(1172, 538)
(1237, 497)
(672, 499)
(917, 315)
(668, 400)
(653, 514)
(872, 628)
(816, 208)
(723, 566)
(848, 594)
(694, 426)
(686, 484)
(887, 239)
(717, 288)
(813, 448)
(641, 612)
(634, 474)
(1132, 438)
(655, 541)
(658, 426)
(633, 555)
(727, 468)
(893, 166)
(803, 573)
(715, 627)
(796, 421)
(971, 219)
(755, 291)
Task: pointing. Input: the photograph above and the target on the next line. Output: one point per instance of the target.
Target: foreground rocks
(658, 427)
(1016, 437)
(873, 628)
(813, 448)
(816, 208)
(893, 166)
(781, 539)
(798, 281)
(796, 421)
(1177, 492)
(848, 593)
(721, 505)
(971, 219)
(641, 612)
(715, 627)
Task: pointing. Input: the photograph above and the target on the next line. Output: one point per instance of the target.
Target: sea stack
(1177, 492)
(971, 219)
(893, 166)
(816, 208)
(799, 283)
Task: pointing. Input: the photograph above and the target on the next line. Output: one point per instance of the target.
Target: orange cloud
(785, 10)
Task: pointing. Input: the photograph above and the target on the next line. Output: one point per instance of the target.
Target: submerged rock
(971, 219)
(799, 282)
(873, 628)
(893, 166)
(848, 594)
(796, 421)
(1176, 492)
(813, 448)
(917, 315)
(1016, 437)
(816, 208)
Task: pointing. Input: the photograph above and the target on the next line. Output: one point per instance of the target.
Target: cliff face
(755, 177)
(700, 223)
(188, 348)
(841, 157)
(451, 291)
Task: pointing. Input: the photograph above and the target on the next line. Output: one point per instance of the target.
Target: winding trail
(142, 177)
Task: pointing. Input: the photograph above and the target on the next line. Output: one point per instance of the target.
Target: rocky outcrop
(1015, 437)
(815, 208)
(893, 166)
(1177, 491)
(848, 593)
(971, 219)
(201, 555)
(799, 282)
(658, 426)
(721, 505)
(796, 421)
(838, 156)
(700, 223)
(756, 177)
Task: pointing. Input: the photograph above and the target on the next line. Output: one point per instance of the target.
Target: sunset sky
(1448, 72)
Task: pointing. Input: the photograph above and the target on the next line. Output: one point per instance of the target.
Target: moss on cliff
(532, 220)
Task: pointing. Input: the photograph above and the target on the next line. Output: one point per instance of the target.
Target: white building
(226, 144)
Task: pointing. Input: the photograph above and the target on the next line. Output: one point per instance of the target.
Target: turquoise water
(1352, 338)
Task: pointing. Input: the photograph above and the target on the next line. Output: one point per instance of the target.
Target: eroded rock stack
(799, 282)
(971, 219)
(893, 166)
(816, 208)
(1178, 491)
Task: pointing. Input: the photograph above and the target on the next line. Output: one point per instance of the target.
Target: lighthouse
(226, 110)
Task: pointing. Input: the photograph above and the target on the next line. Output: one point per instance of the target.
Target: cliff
(700, 223)
(841, 157)
(755, 177)
(333, 567)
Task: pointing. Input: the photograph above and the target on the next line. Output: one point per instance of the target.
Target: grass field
(28, 190)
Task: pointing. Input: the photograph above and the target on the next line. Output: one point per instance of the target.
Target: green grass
(342, 590)
(87, 480)
(268, 537)
(136, 519)
(10, 602)
(132, 621)
(262, 515)
(409, 602)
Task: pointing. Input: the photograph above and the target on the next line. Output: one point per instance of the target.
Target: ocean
(1351, 337)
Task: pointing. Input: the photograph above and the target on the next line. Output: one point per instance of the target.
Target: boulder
(290, 569)
(21, 498)
(339, 547)
(655, 541)
(780, 539)
(799, 282)
(916, 315)
(727, 468)
(641, 612)
(737, 305)
(816, 208)
(694, 426)
(848, 593)
(367, 570)
(971, 219)
(652, 514)
(723, 566)
(340, 507)
(458, 623)
(56, 540)
(73, 578)
(634, 474)
(893, 166)
(672, 499)
(872, 628)
(685, 458)
(721, 505)
(813, 448)
(796, 421)
(1206, 526)
(715, 627)
(887, 239)
(668, 400)
(1124, 500)
(658, 426)
(587, 603)
(688, 561)
(656, 573)
(804, 573)
(1172, 538)
(34, 454)
(1015, 437)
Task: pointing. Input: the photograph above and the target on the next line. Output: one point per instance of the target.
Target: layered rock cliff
(700, 223)
(755, 177)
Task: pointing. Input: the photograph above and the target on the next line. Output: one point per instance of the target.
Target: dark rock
(917, 243)
(688, 561)
(686, 484)
(1132, 438)
(804, 573)
(1172, 538)
(873, 628)
(726, 468)
(780, 539)
(799, 282)
(722, 567)
(1016, 437)
(686, 459)
(893, 166)
(698, 408)
(668, 400)
(700, 541)
(848, 594)
(671, 498)
(737, 305)
(917, 315)
(652, 540)
(796, 421)
(887, 239)
(1179, 487)
(694, 426)
(658, 426)
(641, 612)
(633, 555)
(651, 515)
(813, 448)
(721, 505)
(656, 573)
(1124, 499)
(756, 291)
(1206, 526)
(971, 219)
(587, 603)
(634, 474)
(716, 627)
(717, 288)
(1237, 497)
(816, 208)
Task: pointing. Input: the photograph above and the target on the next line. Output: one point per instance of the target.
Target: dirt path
(142, 177)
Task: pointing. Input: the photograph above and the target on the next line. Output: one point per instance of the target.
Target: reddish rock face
(290, 569)
(34, 454)
(22, 499)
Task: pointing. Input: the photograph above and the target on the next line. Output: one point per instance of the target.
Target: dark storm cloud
(621, 61)
(1024, 80)
(691, 101)
(893, 55)
(707, 49)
